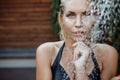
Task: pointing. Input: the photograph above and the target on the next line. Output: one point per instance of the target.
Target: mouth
(79, 33)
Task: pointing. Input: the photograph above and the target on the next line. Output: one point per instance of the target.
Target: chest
(90, 64)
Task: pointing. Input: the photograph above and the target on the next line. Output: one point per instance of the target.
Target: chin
(80, 39)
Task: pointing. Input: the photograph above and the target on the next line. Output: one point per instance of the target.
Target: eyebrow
(70, 12)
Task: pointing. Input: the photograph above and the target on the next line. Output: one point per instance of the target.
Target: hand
(81, 53)
(80, 50)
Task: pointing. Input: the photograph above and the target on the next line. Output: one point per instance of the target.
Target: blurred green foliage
(55, 9)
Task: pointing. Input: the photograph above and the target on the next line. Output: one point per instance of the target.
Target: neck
(68, 45)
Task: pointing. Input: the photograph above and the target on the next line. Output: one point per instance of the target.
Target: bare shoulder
(47, 51)
(107, 50)
(45, 47)
(48, 47)
(44, 58)
(109, 61)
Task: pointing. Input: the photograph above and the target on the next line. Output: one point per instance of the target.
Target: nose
(78, 23)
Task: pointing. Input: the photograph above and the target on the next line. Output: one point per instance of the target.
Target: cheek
(89, 21)
(68, 23)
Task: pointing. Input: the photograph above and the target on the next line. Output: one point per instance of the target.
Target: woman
(75, 58)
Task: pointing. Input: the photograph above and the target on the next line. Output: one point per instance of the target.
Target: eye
(71, 14)
(87, 13)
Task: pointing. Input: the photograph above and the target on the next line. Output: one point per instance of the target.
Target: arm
(43, 65)
(110, 61)
(81, 53)
(80, 69)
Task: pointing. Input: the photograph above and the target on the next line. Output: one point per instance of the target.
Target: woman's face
(77, 19)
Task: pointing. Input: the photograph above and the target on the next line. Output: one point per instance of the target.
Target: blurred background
(24, 25)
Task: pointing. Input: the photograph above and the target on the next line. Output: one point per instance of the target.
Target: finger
(82, 44)
(77, 54)
(78, 44)
(74, 57)
(75, 44)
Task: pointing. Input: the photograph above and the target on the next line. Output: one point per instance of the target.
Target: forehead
(77, 5)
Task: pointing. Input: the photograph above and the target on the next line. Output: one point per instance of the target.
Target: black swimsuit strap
(58, 58)
(94, 58)
(95, 74)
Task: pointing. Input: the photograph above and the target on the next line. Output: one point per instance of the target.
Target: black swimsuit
(58, 72)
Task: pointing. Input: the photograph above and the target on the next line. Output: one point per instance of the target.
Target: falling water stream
(107, 20)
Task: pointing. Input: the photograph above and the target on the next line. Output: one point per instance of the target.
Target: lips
(78, 33)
